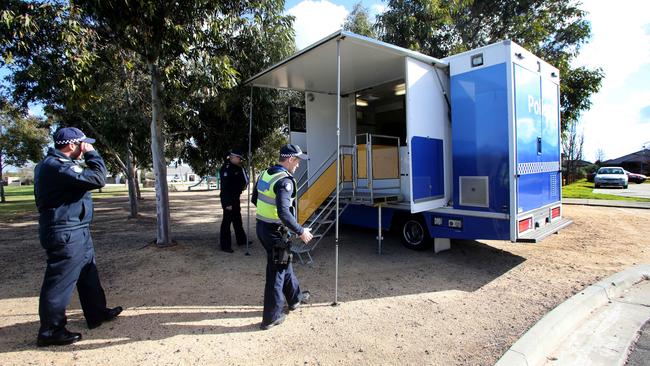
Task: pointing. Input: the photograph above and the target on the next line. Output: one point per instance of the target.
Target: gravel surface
(194, 305)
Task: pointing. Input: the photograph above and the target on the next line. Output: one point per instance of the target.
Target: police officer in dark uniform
(233, 182)
(62, 189)
(274, 197)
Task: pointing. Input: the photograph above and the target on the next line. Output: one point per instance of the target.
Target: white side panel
(321, 127)
(493, 54)
(404, 168)
(300, 139)
(512, 148)
(427, 116)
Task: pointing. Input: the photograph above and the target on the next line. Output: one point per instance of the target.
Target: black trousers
(232, 217)
(281, 282)
(70, 262)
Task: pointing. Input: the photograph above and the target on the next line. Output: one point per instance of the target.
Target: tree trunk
(159, 165)
(2, 183)
(133, 199)
(137, 182)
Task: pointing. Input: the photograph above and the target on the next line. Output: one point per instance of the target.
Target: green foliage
(420, 25)
(358, 21)
(553, 29)
(88, 62)
(267, 154)
(22, 138)
(61, 61)
(576, 89)
(203, 50)
(224, 124)
(45, 46)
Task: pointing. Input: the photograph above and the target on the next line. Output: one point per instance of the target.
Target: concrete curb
(605, 203)
(545, 336)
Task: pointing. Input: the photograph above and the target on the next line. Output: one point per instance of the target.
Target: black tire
(596, 185)
(414, 233)
(625, 186)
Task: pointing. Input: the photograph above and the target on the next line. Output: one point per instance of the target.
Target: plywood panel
(362, 169)
(317, 193)
(385, 162)
(347, 168)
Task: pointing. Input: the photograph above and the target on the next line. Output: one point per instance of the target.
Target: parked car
(611, 176)
(636, 178)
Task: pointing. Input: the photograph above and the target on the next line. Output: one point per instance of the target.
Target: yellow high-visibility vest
(267, 211)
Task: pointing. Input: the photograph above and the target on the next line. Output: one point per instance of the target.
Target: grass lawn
(584, 189)
(20, 200)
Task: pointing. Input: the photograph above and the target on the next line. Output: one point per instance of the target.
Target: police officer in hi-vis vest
(274, 197)
(65, 206)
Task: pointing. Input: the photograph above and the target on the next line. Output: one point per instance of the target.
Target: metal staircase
(319, 223)
(369, 175)
(317, 205)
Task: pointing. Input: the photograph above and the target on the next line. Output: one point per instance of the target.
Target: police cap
(237, 153)
(289, 150)
(70, 135)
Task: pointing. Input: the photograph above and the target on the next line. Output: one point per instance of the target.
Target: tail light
(555, 212)
(525, 224)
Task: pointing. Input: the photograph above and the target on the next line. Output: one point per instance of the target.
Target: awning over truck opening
(365, 63)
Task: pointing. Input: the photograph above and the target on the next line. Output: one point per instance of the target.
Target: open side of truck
(462, 148)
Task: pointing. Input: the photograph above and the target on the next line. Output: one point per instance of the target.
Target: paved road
(633, 190)
(640, 355)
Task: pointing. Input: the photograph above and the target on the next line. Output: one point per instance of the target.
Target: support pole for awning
(250, 171)
(338, 167)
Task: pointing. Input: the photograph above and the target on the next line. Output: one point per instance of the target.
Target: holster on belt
(282, 254)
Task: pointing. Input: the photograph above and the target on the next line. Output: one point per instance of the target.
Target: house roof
(641, 156)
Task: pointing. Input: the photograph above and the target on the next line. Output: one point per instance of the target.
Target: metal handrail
(369, 160)
(329, 203)
(318, 171)
(299, 247)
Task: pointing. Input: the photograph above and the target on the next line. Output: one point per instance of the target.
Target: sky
(619, 119)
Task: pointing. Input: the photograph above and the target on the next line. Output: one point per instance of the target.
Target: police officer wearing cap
(233, 182)
(62, 189)
(274, 197)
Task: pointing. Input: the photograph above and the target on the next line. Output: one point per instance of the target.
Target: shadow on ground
(193, 288)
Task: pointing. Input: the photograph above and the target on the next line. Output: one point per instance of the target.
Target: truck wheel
(414, 233)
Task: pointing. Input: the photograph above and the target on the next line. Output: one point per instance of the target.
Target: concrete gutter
(537, 346)
(605, 203)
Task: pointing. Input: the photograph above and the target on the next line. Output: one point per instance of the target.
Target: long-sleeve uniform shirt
(284, 190)
(62, 190)
(233, 182)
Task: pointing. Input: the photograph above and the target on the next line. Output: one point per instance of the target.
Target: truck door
(427, 136)
(537, 129)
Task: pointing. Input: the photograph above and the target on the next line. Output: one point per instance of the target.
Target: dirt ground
(194, 305)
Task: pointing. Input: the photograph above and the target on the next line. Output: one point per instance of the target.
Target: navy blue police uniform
(233, 182)
(281, 282)
(62, 190)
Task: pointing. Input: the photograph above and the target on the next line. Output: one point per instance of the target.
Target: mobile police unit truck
(466, 147)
